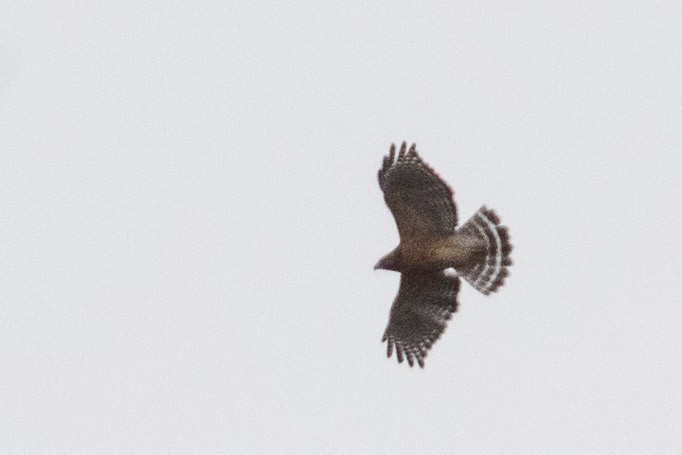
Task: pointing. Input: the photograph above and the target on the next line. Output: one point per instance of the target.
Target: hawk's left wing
(419, 315)
(421, 202)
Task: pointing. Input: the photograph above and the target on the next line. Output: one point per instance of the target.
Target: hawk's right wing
(419, 315)
(421, 202)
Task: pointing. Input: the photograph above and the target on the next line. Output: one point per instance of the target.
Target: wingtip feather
(403, 149)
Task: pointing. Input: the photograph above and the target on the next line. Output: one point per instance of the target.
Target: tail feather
(487, 274)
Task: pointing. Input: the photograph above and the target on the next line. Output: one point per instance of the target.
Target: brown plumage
(430, 242)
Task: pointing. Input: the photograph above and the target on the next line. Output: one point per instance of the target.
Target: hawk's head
(388, 262)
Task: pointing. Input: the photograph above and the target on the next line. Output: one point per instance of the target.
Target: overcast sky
(190, 217)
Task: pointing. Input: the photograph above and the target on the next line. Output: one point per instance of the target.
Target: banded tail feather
(488, 274)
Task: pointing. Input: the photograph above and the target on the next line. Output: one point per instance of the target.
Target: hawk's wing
(419, 315)
(421, 202)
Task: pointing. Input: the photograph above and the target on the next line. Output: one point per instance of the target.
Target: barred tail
(487, 274)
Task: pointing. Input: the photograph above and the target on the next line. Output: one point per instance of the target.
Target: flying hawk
(430, 242)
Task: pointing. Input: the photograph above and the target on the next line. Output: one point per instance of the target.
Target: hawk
(430, 242)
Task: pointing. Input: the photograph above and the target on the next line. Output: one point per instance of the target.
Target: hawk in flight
(430, 242)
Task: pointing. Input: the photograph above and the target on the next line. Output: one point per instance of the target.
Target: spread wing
(421, 202)
(419, 315)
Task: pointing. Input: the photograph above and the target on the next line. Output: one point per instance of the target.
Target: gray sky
(191, 216)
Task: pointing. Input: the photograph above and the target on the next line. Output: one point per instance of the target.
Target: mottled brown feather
(421, 202)
(419, 315)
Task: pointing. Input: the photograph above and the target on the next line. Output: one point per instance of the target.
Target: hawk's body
(436, 254)
(430, 242)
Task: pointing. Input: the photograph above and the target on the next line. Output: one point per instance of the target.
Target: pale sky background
(190, 217)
